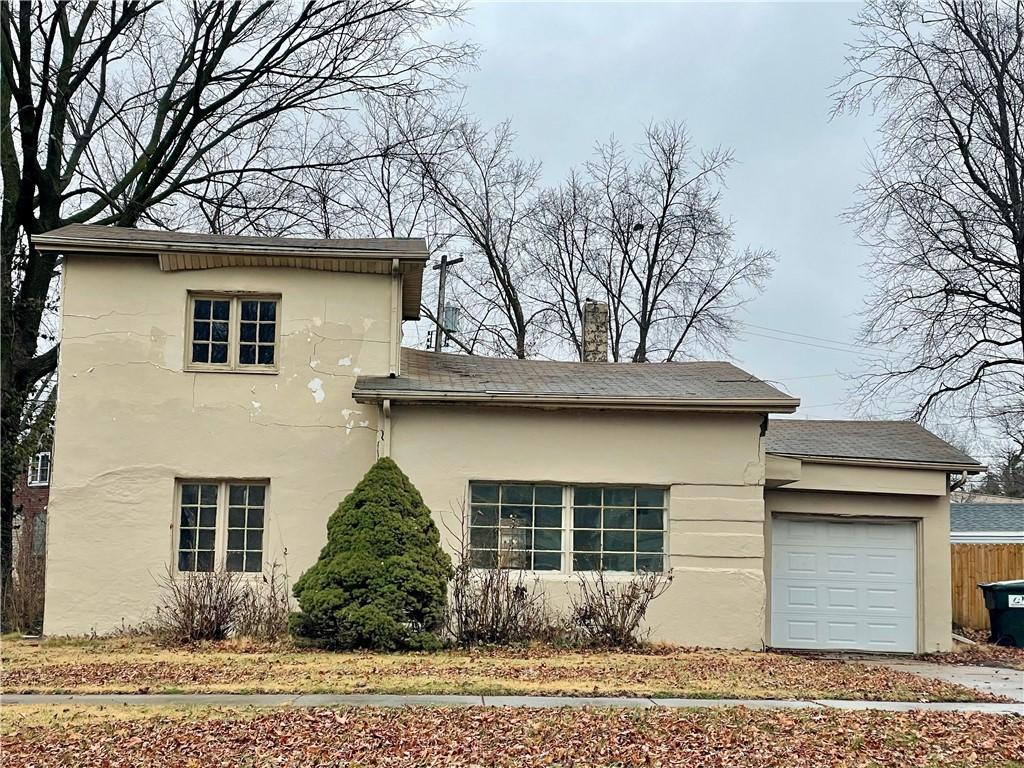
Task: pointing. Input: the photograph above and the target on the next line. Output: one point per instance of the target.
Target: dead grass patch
(136, 666)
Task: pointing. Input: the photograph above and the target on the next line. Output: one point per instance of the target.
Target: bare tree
(943, 208)
(488, 194)
(646, 234)
(124, 113)
(565, 239)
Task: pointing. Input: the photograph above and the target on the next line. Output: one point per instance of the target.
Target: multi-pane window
(258, 332)
(233, 332)
(245, 527)
(39, 469)
(517, 525)
(579, 528)
(220, 525)
(197, 527)
(618, 528)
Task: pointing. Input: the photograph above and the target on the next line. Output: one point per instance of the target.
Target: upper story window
(567, 528)
(39, 469)
(233, 332)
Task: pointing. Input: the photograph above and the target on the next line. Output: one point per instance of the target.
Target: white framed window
(39, 469)
(233, 332)
(220, 524)
(545, 527)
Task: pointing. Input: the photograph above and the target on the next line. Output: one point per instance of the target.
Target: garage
(841, 584)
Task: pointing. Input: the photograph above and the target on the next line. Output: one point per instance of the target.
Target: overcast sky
(755, 77)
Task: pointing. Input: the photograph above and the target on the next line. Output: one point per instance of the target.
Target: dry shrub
(495, 606)
(609, 613)
(23, 609)
(207, 606)
(263, 609)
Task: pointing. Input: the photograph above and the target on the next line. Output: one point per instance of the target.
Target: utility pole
(442, 280)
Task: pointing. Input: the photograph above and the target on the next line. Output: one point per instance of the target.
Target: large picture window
(220, 525)
(544, 527)
(233, 333)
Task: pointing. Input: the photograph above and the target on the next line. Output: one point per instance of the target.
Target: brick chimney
(595, 331)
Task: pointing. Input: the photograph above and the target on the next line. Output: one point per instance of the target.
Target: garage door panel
(869, 599)
(844, 585)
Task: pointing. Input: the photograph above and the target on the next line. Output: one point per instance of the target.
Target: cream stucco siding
(711, 463)
(130, 421)
(904, 500)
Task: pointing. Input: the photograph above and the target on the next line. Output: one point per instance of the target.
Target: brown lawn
(479, 736)
(135, 666)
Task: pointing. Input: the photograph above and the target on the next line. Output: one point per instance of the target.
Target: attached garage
(844, 584)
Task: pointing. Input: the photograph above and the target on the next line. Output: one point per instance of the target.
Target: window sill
(254, 369)
(614, 577)
(37, 485)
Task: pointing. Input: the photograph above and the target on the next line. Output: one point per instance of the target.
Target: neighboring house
(31, 498)
(219, 396)
(987, 522)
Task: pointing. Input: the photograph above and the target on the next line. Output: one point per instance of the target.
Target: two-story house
(220, 395)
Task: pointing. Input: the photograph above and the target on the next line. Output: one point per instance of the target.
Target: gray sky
(754, 77)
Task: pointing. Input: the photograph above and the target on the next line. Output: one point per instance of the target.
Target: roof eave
(366, 395)
(971, 469)
(98, 245)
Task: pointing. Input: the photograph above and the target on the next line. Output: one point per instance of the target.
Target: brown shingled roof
(895, 441)
(435, 377)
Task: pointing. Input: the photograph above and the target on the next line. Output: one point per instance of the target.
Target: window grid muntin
(257, 336)
(523, 522)
(230, 356)
(39, 469)
(220, 526)
(606, 530)
(649, 522)
(197, 527)
(245, 527)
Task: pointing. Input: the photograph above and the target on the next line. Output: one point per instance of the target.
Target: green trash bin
(1005, 603)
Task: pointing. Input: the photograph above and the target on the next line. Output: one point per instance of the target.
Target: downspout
(385, 433)
(395, 342)
(956, 485)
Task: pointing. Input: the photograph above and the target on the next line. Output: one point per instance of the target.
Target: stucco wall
(711, 463)
(931, 512)
(130, 421)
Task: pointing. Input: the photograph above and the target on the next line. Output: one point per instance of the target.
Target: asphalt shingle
(986, 517)
(878, 440)
(428, 375)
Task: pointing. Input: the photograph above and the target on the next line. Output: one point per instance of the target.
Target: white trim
(234, 321)
(986, 537)
(32, 479)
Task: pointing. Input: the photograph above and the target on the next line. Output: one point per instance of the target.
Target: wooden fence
(975, 564)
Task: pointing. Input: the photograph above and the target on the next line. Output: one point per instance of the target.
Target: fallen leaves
(132, 668)
(483, 736)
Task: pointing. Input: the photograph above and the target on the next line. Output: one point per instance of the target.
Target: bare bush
(23, 602)
(263, 609)
(215, 605)
(497, 605)
(609, 613)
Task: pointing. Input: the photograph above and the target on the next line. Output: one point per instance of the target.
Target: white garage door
(844, 585)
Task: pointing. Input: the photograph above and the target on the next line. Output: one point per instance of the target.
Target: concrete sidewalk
(374, 700)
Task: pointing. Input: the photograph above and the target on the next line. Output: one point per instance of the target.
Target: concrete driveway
(994, 680)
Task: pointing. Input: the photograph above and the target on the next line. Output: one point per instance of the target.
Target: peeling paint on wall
(345, 361)
(316, 386)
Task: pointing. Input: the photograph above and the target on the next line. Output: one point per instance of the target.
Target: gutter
(966, 469)
(788, 405)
